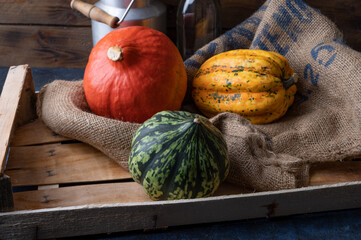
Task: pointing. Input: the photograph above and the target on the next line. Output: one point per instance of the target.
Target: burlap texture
(63, 108)
(324, 122)
(254, 164)
(322, 125)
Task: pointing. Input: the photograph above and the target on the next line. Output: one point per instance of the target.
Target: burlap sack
(63, 108)
(322, 125)
(324, 122)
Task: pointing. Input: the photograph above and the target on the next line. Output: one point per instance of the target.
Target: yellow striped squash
(259, 85)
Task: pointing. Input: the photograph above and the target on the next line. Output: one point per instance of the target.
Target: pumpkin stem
(289, 82)
(197, 120)
(115, 53)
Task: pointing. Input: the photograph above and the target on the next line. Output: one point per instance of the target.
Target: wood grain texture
(118, 217)
(35, 133)
(17, 101)
(41, 12)
(26, 161)
(45, 46)
(61, 163)
(335, 172)
(26, 110)
(125, 192)
(80, 195)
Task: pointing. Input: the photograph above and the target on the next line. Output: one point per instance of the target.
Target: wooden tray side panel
(17, 106)
(108, 218)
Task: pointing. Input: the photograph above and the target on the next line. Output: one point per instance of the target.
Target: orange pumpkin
(133, 73)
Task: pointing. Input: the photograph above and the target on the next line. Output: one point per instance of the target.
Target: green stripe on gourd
(178, 155)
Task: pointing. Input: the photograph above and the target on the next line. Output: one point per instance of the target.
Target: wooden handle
(94, 13)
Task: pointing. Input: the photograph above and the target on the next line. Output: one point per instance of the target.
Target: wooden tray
(61, 187)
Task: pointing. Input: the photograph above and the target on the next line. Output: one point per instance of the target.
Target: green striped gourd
(178, 155)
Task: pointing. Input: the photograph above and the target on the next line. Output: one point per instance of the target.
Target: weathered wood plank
(44, 12)
(6, 196)
(335, 172)
(16, 108)
(17, 100)
(44, 46)
(26, 110)
(125, 192)
(61, 163)
(133, 192)
(107, 218)
(34, 133)
(227, 188)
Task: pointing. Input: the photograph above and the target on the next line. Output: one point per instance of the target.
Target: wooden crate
(60, 187)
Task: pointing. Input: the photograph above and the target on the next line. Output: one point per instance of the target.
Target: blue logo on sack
(319, 47)
(296, 10)
(315, 53)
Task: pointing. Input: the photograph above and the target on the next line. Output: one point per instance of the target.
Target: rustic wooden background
(48, 33)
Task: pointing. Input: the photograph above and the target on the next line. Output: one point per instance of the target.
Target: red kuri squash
(133, 73)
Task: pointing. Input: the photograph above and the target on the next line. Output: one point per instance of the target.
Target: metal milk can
(108, 15)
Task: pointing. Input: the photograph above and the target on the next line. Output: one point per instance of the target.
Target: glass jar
(198, 23)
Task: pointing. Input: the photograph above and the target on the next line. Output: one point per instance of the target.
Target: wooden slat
(227, 188)
(61, 163)
(18, 91)
(126, 192)
(107, 218)
(335, 172)
(131, 192)
(35, 133)
(45, 12)
(44, 46)
(80, 195)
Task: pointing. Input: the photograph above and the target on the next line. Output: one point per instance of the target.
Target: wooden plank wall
(47, 33)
